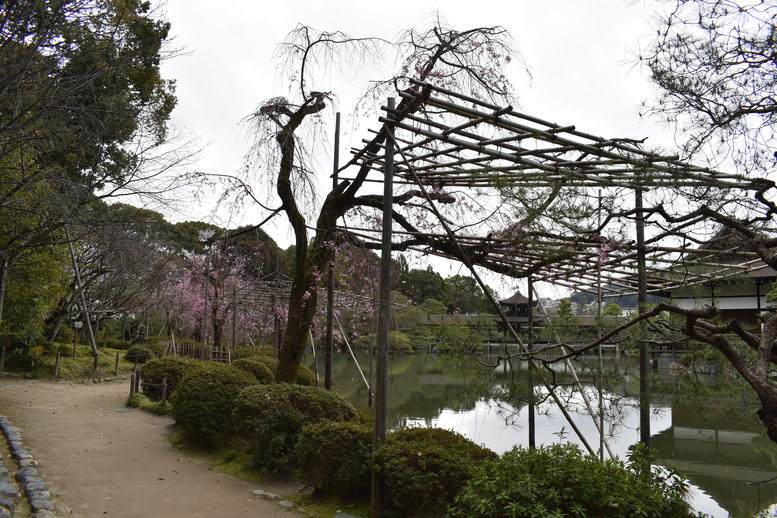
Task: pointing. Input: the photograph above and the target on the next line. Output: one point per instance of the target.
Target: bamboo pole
(330, 279)
(381, 381)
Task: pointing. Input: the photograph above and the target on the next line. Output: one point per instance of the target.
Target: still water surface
(698, 425)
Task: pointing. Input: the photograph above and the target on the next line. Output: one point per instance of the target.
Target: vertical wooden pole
(116, 365)
(3, 280)
(132, 383)
(164, 390)
(206, 290)
(599, 333)
(2, 358)
(56, 365)
(644, 353)
(381, 382)
(530, 345)
(329, 346)
(82, 296)
(234, 317)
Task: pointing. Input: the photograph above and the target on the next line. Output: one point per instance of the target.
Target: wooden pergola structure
(477, 146)
(439, 147)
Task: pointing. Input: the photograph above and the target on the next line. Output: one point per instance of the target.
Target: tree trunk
(302, 307)
(768, 416)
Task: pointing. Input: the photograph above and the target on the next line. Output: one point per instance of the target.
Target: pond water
(700, 425)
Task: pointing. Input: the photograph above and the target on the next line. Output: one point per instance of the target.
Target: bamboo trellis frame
(477, 144)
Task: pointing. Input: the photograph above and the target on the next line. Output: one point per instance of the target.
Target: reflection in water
(714, 439)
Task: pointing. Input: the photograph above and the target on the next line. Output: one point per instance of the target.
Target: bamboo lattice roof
(455, 141)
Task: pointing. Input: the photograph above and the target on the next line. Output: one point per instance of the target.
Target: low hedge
(560, 480)
(424, 469)
(173, 369)
(144, 352)
(205, 398)
(305, 376)
(335, 457)
(270, 418)
(259, 369)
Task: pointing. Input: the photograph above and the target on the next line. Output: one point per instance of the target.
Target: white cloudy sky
(580, 54)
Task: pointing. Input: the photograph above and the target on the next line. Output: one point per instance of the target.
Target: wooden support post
(137, 382)
(82, 297)
(234, 317)
(644, 352)
(164, 390)
(2, 358)
(56, 365)
(530, 345)
(206, 285)
(132, 384)
(116, 365)
(329, 346)
(384, 308)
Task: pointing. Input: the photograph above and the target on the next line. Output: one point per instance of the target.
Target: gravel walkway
(98, 462)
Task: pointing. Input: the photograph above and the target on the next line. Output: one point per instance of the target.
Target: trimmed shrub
(560, 480)
(205, 398)
(451, 440)
(247, 352)
(172, 368)
(117, 343)
(305, 376)
(270, 418)
(335, 457)
(259, 369)
(424, 469)
(144, 352)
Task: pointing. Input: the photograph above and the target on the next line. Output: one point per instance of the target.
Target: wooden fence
(188, 350)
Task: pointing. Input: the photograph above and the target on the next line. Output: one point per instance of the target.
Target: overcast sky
(581, 56)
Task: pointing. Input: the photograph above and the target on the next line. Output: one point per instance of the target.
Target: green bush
(305, 376)
(560, 480)
(144, 352)
(335, 457)
(205, 398)
(246, 352)
(12, 340)
(400, 342)
(424, 469)
(259, 369)
(270, 418)
(117, 343)
(172, 368)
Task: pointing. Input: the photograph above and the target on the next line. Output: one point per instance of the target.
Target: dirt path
(98, 462)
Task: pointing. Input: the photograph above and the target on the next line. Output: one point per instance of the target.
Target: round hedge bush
(424, 469)
(259, 369)
(560, 480)
(205, 398)
(172, 368)
(270, 418)
(305, 376)
(335, 457)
